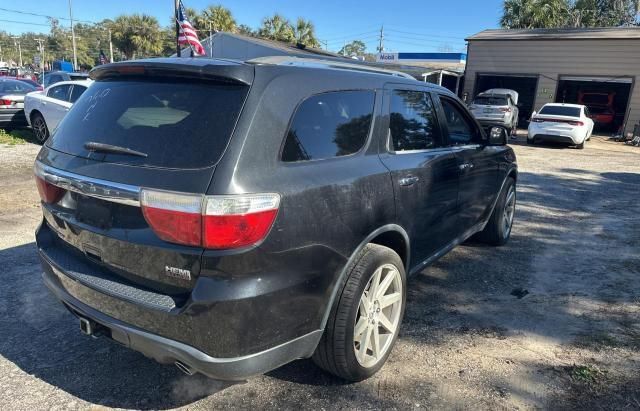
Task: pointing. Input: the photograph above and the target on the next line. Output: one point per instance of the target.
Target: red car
(600, 105)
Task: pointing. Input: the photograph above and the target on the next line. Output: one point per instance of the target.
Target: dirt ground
(551, 320)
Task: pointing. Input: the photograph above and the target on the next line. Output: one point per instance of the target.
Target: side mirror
(497, 136)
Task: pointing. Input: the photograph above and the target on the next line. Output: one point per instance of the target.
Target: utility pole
(73, 39)
(381, 40)
(110, 48)
(16, 43)
(210, 41)
(41, 50)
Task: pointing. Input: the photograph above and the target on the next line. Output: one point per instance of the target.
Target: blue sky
(410, 25)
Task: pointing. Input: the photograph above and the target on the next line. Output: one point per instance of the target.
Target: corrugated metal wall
(551, 59)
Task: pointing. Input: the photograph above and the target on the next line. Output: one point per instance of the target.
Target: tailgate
(163, 130)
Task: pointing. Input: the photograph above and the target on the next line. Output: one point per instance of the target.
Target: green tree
(137, 35)
(355, 48)
(246, 30)
(277, 28)
(529, 14)
(305, 33)
(220, 18)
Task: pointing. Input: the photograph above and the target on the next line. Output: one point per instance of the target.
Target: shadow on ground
(468, 292)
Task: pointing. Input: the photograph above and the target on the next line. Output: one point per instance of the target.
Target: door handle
(408, 181)
(466, 166)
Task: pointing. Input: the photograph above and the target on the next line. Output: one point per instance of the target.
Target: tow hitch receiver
(86, 326)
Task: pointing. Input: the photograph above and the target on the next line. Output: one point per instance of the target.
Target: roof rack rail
(325, 63)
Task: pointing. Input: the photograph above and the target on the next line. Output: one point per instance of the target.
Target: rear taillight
(49, 193)
(217, 222)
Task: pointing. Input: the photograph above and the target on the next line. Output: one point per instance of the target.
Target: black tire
(494, 232)
(335, 352)
(39, 127)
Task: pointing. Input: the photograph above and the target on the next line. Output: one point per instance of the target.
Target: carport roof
(603, 33)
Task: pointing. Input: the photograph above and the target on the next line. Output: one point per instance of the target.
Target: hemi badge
(178, 273)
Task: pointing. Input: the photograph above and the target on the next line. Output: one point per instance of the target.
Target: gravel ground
(568, 338)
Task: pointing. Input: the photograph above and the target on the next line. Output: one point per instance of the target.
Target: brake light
(217, 222)
(49, 193)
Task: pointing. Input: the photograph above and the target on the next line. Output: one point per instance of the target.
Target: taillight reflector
(48, 192)
(217, 222)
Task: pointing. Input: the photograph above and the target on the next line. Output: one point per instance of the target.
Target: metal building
(596, 67)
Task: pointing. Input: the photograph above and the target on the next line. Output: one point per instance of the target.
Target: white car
(45, 109)
(562, 123)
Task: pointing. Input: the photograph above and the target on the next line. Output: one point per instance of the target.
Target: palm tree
(530, 14)
(137, 34)
(304, 32)
(277, 28)
(220, 17)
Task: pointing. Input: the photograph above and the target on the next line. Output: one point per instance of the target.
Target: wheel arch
(389, 235)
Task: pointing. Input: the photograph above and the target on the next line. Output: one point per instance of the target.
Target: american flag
(187, 34)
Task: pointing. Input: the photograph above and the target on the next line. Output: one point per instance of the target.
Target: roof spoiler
(186, 68)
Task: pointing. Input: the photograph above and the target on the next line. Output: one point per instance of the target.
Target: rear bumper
(219, 336)
(12, 117)
(167, 351)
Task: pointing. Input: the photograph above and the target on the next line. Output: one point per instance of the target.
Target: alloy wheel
(509, 211)
(378, 317)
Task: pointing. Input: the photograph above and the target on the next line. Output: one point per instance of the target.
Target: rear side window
(412, 122)
(329, 125)
(176, 124)
(561, 111)
(76, 92)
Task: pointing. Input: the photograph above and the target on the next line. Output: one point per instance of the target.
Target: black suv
(232, 217)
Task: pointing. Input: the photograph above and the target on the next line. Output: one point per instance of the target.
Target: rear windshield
(561, 111)
(490, 101)
(176, 124)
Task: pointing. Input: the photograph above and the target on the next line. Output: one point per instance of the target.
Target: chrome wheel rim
(509, 211)
(378, 317)
(40, 128)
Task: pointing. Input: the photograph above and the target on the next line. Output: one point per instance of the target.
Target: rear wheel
(39, 127)
(364, 322)
(498, 228)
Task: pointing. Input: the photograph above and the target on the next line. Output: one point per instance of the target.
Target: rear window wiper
(109, 148)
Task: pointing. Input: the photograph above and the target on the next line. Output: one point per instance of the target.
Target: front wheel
(365, 319)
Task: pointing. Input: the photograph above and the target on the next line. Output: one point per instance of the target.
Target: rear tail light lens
(174, 217)
(217, 222)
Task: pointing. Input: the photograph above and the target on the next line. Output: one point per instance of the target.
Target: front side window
(329, 125)
(412, 121)
(461, 130)
(59, 92)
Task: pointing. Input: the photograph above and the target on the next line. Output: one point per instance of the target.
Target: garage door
(606, 97)
(526, 87)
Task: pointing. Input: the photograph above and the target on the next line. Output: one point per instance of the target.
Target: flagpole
(175, 14)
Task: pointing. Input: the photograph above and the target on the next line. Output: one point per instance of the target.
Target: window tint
(329, 125)
(177, 124)
(412, 122)
(15, 86)
(76, 92)
(561, 111)
(490, 101)
(461, 130)
(59, 92)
